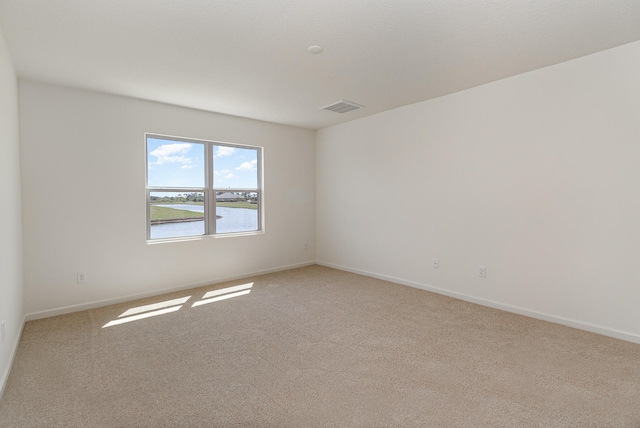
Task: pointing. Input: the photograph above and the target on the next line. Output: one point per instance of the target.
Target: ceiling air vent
(342, 106)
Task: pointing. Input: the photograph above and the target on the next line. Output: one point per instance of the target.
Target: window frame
(209, 191)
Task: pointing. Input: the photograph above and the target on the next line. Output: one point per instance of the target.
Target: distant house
(228, 197)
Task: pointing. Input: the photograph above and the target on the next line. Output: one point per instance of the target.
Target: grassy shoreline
(161, 214)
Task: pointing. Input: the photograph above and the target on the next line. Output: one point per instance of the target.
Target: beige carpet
(316, 347)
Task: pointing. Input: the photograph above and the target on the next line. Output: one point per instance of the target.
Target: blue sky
(181, 164)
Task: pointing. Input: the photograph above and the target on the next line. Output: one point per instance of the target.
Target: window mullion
(148, 214)
(211, 195)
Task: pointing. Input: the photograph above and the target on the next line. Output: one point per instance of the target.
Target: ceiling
(249, 57)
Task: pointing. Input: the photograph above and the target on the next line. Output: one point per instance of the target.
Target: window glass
(236, 212)
(197, 187)
(235, 167)
(174, 163)
(176, 214)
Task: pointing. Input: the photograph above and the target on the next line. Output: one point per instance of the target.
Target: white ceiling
(249, 57)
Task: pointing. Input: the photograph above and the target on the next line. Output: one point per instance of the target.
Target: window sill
(202, 237)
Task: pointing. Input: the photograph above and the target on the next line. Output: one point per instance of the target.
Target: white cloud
(172, 153)
(187, 166)
(224, 151)
(224, 174)
(248, 166)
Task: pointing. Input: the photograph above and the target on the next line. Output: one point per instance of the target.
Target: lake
(232, 220)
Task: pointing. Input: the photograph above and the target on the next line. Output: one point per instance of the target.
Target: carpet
(316, 347)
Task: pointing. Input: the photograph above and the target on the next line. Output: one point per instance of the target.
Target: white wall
(11, 304)
(536, 177)
(83, 173)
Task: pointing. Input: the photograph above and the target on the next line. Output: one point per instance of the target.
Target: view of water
(186, 207)
(233, 220)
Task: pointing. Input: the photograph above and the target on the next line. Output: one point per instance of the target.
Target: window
(197, 187)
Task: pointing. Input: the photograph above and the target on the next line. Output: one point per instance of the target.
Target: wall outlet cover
(482, 271)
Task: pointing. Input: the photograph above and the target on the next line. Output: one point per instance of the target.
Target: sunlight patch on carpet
(142, 316)
(173, 305)
(224, 293)
(155, 306)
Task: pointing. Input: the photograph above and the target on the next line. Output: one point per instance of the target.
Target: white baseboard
(605, 331)
(7, 369)
(99, 303)
(618, 334)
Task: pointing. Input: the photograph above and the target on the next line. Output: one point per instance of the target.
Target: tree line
(180, 197)
(199, 197)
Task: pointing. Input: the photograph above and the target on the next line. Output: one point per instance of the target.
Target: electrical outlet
(435, 264)
(81, 277)
(304, 245)
(482, 271)
(2, 330)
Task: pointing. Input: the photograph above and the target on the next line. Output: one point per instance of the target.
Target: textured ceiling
(249, 57)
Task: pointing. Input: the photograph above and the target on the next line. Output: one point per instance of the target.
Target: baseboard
(618, 334)
(605, 331)
(106, 302)
(7, 369)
